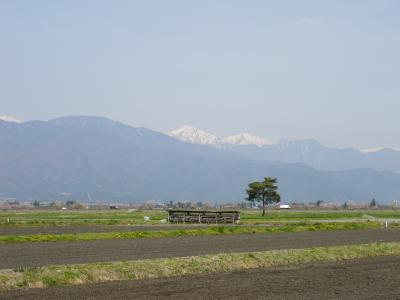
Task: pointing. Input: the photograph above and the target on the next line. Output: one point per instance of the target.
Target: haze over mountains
(94, 158)
(309, 152)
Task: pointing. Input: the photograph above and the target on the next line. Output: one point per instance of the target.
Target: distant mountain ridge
(309, 152)
(9, 119)
(245, 139)
(194, 135)
(82, 158)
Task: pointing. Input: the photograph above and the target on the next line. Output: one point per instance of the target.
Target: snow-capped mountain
(111, 160)
(9, 119)
(309, 151)
(378, 149)
(195, 136)
(247, 139)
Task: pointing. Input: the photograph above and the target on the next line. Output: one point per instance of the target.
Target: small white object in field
(163, 221)
(146, 218)
(132, 210)
(63, 208)
(284, 206)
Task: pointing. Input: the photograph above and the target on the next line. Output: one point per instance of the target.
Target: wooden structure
(203, 216)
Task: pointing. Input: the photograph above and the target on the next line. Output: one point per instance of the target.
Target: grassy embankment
(64, 275)
(215, 230)
(123, 217)
(253, 217)
(79, 217)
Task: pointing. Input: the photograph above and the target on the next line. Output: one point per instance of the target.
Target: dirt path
(37, 254)
(375, 278)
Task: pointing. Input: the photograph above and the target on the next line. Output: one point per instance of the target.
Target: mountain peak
(247, 139)
(9, 119)
(194, 135)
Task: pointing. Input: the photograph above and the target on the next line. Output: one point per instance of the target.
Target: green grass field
(123, 217)
(214, 230)
(80, 217)
(64, 275)
(318, 215)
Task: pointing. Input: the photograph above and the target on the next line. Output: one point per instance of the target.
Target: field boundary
(65, 275)
(42, 217)
(214, 230)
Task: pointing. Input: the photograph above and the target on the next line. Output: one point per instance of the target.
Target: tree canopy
(264, 191)
(373, 203)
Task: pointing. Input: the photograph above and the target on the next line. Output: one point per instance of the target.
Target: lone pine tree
(264, 191)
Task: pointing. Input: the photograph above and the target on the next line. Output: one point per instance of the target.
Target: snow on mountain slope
(378, 149)
(9, 119)
(247, 139)
(309, 151)
(195, 136)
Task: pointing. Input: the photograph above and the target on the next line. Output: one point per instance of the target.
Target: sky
(328, 70)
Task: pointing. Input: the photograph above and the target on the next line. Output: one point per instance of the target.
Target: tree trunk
(263, 207)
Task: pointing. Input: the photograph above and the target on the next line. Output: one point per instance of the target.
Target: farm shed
(203, 216)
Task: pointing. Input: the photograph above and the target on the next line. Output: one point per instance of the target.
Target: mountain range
(95, 158)
(197, 136)
(309, 152)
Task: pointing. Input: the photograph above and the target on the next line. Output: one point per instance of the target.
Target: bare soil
(32, 230)
(374, 278)
(37, 254)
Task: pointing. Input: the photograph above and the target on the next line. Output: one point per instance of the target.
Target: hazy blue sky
(329, 70)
